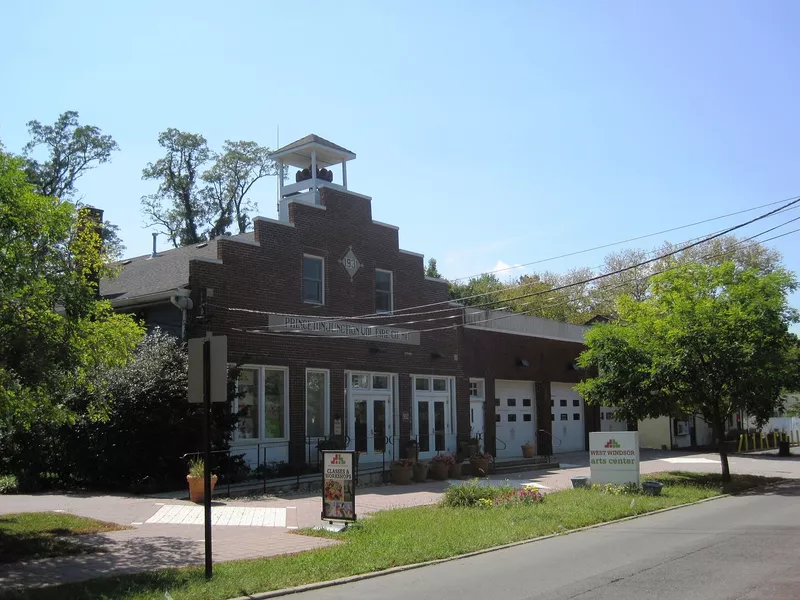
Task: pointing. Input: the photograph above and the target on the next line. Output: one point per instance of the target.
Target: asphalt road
(740, 548)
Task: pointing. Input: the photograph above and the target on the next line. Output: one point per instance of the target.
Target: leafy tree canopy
(54, 332)
(706, 340)
(193, 203)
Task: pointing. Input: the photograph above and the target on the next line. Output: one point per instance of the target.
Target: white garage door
(514, 416)
(568, 418)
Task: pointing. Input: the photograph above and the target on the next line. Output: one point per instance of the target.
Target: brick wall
(268, 278)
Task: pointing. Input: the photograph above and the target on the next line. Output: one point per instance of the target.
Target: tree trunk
(718, 427)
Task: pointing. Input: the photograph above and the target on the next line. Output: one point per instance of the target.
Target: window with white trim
(313, 279)
(476, 388)
(316, 403)
(262, 398)
(384, 291)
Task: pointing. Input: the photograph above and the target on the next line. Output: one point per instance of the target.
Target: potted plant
(479, 462)
(440, 466)
(402, 471)
(455, 468)
(528, 450)
(196, 483)
(420, 471)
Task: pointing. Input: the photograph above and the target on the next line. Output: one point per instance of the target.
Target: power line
(404, 311)
(633, 239)
(574, 284)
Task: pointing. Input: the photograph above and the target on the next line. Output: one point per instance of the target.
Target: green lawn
(25, 536)
(399, 537)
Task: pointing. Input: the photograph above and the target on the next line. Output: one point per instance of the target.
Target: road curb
(364, 576)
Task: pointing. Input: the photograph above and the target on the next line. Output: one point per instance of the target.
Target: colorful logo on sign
(612, 443)
(338, 459)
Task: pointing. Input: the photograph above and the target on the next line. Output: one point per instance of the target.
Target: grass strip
(25, 536)
(400, 537)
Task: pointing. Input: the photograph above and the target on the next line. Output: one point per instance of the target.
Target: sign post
(614, 457)
(208, 372)
(339, 485)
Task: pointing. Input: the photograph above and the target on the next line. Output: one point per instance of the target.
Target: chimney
(155, 253)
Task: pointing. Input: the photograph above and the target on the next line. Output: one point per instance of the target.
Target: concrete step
(501, 468)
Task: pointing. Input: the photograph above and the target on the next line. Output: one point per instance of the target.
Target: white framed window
(476, 388)
(422, 384)
(380, 382)
(263, 399)
(313, 279)
(317, 402)
(384, 291)
(439, 384)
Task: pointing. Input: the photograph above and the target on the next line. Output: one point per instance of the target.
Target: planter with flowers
(420, 472)
(402, 470)
(195, 478)
(480, 464)
(440, 466)
(528, 450)
(455, 468)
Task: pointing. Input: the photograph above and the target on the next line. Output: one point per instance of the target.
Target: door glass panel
(361, 425)
(379, 420)
(423, 427)
(438, 424)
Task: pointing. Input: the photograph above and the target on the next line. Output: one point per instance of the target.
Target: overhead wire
(583, 282)
(404, 312)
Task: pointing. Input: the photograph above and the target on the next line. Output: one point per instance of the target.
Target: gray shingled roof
(169, 270)
(313, 138)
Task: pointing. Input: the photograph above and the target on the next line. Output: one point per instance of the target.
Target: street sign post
(208, 382)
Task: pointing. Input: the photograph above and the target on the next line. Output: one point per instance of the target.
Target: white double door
(569, 426)
(432, 424)
(371, 426)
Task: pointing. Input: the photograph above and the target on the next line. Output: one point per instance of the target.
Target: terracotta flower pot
(455, 470)
(401, 475)
(420, 472)
(527, 451)
(196, 491)
(480, 467)
(439, 470)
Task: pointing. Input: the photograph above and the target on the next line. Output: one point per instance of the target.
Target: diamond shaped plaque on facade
(350, 263)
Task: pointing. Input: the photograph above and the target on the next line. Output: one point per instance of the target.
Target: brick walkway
(160, 544)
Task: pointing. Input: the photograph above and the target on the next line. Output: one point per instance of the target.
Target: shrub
(447, 459)
(8, 484)
(470, 493)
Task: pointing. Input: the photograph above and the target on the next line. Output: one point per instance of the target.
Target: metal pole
(207, 452)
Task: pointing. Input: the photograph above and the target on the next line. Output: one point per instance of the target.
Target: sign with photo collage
(339, 485)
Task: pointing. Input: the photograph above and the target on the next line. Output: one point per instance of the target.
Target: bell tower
(311, 156)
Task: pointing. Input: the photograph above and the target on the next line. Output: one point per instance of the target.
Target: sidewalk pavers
(169, 533)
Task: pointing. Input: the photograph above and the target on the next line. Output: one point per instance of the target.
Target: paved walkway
(169, 533)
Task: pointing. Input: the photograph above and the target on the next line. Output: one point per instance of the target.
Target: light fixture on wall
(436, 355)
(375, 350)
(523, 362)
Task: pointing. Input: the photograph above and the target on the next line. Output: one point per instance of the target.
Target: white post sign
(614, 457)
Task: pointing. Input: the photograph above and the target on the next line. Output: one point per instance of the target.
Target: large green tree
(54, 331)
(178, 207)
(58, 155)
(229, 181)
(704, 340)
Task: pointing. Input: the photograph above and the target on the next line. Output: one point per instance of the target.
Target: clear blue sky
(488, 131)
